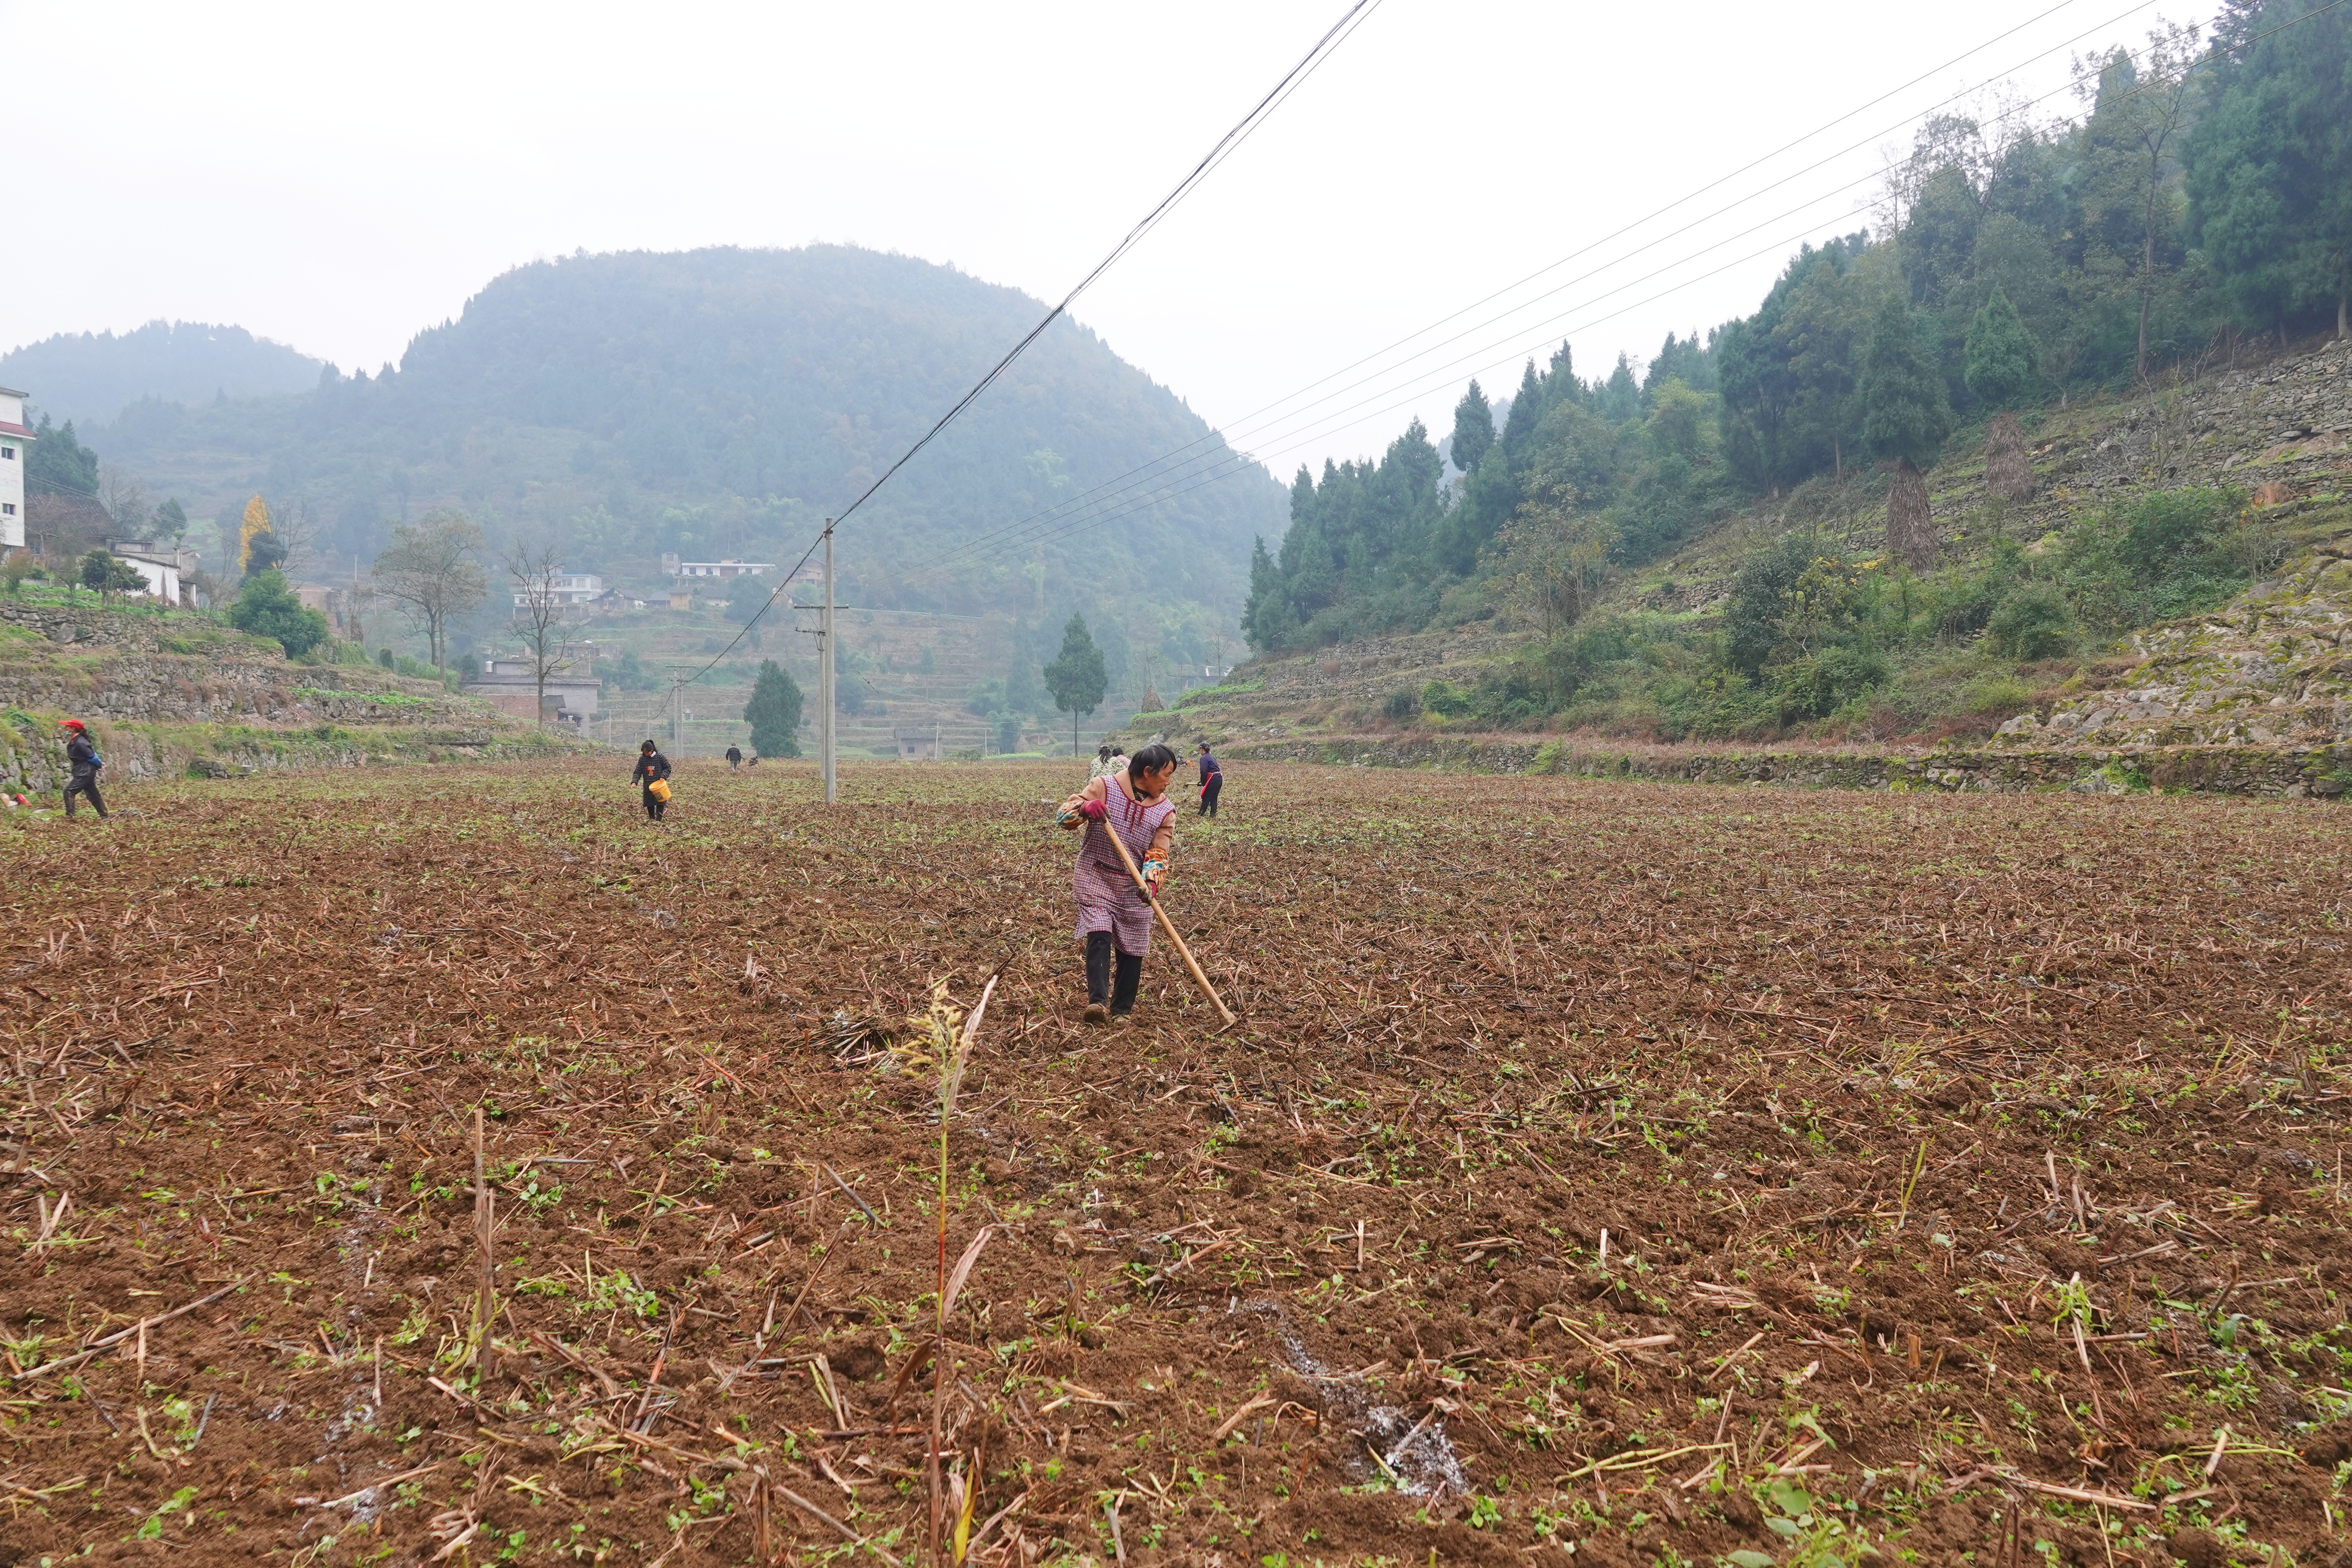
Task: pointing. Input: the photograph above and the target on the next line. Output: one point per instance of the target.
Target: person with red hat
(84, 762)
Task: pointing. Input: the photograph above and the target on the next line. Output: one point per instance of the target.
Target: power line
(1338, 34)
(1112, 494)
(1118, 481)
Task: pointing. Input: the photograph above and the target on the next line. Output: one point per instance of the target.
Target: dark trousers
(1110, 973)
(84, 784)
(1209, 794)
(653, 807)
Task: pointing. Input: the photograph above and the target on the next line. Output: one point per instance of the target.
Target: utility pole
(677, 703)
(825, 679)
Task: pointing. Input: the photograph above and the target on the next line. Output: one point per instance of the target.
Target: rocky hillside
(170, 694)
(2270, 671)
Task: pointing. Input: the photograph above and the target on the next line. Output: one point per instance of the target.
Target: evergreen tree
(57, 464)
(103, 573)
(1999, 353)
(1620, 399)
(171, 521)
(1905, 420)
(266, 607)
(1905, 416)
(774, 712)
(266, 553)
(1267, 619)
(2269, 169)
(1683, 360)
(2001, 359)
(1474, 430)
(1519, 424)
(1076, 677)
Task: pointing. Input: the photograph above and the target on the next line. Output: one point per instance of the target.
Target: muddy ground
(1600, 1174)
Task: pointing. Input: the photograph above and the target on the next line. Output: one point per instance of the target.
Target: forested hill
(720, 402)
(2198, 211)
(93, 376)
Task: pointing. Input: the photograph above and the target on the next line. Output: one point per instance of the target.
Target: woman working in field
(1114, 916)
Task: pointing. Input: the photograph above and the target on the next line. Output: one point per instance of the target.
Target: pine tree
(774, 712)
(2000, 368)
(2269, 202)
(256, 521)
(1905, 420)
(1999, 364)
(1519, 424)
(1474, 430)
(1267, 619)
(1076, 677)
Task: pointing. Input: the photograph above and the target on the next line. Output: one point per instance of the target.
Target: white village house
(167, 569)
(720, 569)
(15, 440)
(565, 588)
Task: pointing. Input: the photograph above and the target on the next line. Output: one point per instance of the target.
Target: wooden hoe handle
(1190, 962)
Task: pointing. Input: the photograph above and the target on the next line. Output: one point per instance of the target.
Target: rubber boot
(1098, 955)
(1122, 994)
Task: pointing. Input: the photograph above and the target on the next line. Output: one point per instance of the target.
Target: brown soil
(1692, 1175)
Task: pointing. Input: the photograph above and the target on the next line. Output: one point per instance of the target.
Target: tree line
(2202, 197)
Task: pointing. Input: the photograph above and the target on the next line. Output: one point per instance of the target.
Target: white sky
(339, 176)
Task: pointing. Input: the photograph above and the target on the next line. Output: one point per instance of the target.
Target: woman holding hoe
(1114, 916)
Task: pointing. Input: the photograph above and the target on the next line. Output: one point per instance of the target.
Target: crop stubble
(1657, 1168)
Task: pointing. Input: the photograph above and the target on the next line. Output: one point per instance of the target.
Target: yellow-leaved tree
(256, 521)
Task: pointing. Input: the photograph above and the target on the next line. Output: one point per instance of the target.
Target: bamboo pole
(1165, 924)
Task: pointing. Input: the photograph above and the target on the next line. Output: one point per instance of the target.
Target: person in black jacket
(734, 758)
(83, 762)
(651, 765)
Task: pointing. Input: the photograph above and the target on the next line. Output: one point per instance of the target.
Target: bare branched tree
(125, 500)
(432, 570)
(297, 528)
(541, 618)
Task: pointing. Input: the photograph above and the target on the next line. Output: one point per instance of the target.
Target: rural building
(919, 748)
(721, 570)
(14, 437)
(166, 568)
(505, 684)
(566, 588)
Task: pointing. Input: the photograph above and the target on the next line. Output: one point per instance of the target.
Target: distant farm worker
(1114, 916)
(1212, 779)
(734, 758)
(1100, 767)
(82, 763)
(653, 774)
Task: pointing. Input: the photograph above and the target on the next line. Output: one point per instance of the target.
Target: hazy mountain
(93, 376)
(722, 401)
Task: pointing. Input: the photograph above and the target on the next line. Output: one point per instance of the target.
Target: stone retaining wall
(2287, 771)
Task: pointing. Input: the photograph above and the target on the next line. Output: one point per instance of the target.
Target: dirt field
(1650, 1173)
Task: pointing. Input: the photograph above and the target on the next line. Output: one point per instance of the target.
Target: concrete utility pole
(676, 705)
(825, 679)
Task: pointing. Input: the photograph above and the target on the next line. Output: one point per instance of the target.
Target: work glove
(1093, 810)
